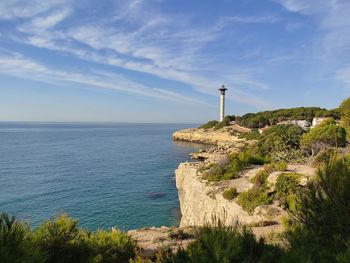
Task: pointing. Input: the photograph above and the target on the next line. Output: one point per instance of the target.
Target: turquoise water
(102, 174)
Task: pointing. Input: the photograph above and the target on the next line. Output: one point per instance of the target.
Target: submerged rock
(155, 195)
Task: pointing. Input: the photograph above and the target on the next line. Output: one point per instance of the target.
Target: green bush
(252, 198)
(321, 230)
(225, 122)
(287, 189)
(231, 169)
(260, 179)
(261, 119)
(112, 246)
(15, 242)
(324, 157)
(62, 240)
(326, 134)
(230, 193)
(287, 183)
(253, 135)
(226, 244)
(345, 116)
(209, 125)
(281, 143)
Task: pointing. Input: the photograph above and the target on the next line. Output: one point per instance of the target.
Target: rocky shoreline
(203, 203)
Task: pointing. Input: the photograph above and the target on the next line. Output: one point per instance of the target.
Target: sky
(163, 61)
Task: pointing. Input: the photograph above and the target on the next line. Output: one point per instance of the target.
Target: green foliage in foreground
(226, 244)
(318, 232)
(61, 241)
(321, 224)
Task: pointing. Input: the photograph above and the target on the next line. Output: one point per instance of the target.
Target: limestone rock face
(218, 137)
(202, 203)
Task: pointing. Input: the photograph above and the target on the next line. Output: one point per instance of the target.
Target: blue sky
(163, 60)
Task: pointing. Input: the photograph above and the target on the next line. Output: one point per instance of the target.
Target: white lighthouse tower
(222, 102)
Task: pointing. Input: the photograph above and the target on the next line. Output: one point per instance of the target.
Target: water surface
(102, 174)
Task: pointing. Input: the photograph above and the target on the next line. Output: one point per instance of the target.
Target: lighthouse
(222, 102)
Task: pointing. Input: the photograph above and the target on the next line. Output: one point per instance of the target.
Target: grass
(253, 198)
(230, 193)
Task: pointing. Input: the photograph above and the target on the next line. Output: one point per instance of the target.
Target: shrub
(226, 244)
(15, 242)
(62, 240)
(225, 122)
(253, 135)
(324, 157)
(321, 232)
(345, 115)
(282, 143)
(326, 134)
(209, 125)
(261, 119)
(252, 198)
(229, 170)
(112, 246)
(230, 194)
(287, 188)
(260, 179)
(287, 183)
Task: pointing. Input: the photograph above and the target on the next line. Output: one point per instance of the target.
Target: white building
(317, 121)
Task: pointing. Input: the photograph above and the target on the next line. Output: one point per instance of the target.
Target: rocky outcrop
(202, 203)
(224, 136)
(150, 240)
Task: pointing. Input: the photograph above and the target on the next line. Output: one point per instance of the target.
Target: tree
(281, 143)
(324, 135)
(345, 116)
(321, 231)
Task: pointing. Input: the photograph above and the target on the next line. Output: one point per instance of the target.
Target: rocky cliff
(227, 135)
(203, 203)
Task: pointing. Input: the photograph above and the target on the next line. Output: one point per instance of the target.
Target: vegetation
(253, 198)
(345, 116)
(261, 119)
(320, 231)
(209, 125)
(287, 188)
(230, 193)
(281, 143)
(236, 163)
(61, 241)
(253, 135)
(325, 135)
(225, 244)
(218, 125)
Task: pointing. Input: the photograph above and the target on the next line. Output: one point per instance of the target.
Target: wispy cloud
(162, 45)
(17, 65)
(14, 9)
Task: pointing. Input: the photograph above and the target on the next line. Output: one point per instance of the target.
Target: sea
(104, 175)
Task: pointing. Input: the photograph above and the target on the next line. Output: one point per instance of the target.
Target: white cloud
(17, 65)
(13, 9)
(158, 44)
(51, 20)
